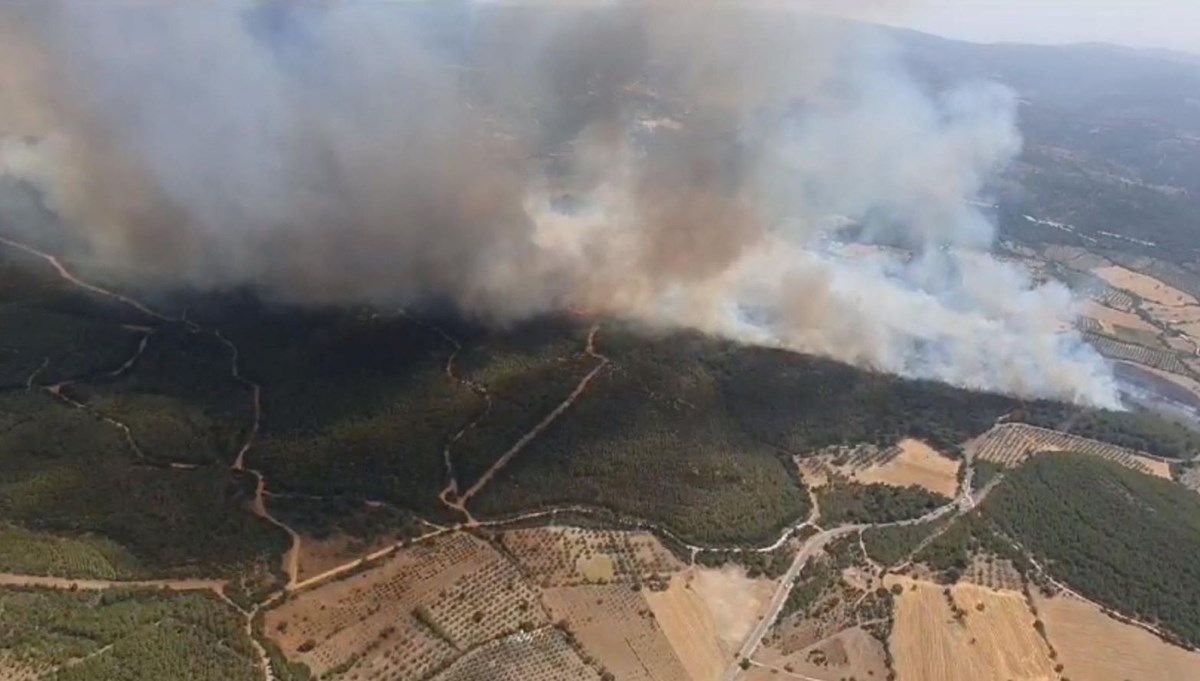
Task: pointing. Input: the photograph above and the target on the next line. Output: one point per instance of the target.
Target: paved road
(814, 544)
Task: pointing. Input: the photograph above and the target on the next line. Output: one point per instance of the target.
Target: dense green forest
(654, 437)
(322, 518)
(844, 503)
(891, 545)
(66, 473)
(180, 400)
(800, 403)
(128, 635)
(1136, 429)
(1125, 539)
(50, 329)
(354, 405)
(527, 372)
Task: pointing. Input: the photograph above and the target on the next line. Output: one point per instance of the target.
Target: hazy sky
(1140, 23)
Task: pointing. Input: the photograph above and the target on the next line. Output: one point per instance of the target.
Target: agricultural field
(914, 463)
(1009, 444)
(542, 655)
(125, 634)
(993, 572)
(735, 600)
(570, 556)
(964, 633)
(413, 612)
(1111, 319)
(617, 627)
(1143, 286)
(1140, 354)
(1093, 646)
(1116, 299)
(849, 654)
(690, 625)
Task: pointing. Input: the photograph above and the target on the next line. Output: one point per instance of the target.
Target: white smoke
(675, 163)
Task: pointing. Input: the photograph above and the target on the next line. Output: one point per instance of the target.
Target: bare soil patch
(319, 555)
(849, 654)
(1096, 647)
(735, 601)
(916, 464)
(994, 638)
(690, 627)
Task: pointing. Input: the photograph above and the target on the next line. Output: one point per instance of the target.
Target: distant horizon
(1138, 24)
(1165, 52)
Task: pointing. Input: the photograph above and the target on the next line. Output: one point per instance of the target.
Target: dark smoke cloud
(671, 162)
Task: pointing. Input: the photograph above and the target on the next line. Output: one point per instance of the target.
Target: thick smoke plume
(677, 163)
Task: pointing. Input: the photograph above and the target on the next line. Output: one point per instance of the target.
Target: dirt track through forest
(258, 507)
(506, 457)
(449, 494)
(291, 558)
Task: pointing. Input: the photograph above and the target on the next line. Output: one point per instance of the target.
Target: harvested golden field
(1096, 647)
(916, 464)
(409, 615)
(689, 626)
(569, 556)
(1184, 318)
(542, 655)
(735, 600)
(995, 638)
(849, 654)
(617, 627)
(1143, 286)
(1110, 319)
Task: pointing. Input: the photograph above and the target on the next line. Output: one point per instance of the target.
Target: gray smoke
(677, 163)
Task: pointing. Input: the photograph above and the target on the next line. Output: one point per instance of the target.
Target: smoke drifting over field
(677, 163)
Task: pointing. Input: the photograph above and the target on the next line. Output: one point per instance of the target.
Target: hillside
(220, 482)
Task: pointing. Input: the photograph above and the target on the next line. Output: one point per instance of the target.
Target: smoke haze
(681, 164)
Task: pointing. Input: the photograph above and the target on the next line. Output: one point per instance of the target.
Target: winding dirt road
(449, 494)
(67, 275)
(258, 507)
